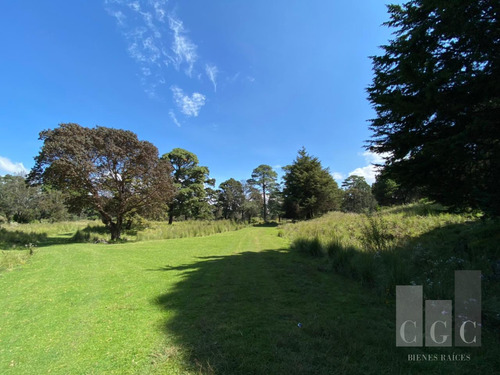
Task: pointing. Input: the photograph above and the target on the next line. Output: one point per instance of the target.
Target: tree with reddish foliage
(108, 170)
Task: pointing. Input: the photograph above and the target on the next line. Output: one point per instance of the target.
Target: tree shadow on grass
(282, 312)
(11, 239)
(17, 239)
(14, 239)
(273, 312)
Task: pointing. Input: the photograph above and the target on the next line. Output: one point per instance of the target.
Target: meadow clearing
(231, 302)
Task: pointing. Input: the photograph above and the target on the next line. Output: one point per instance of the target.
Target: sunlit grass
(17, 236)
(182, 229)
(229, 303)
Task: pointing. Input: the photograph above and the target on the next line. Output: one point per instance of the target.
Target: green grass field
(229, 303)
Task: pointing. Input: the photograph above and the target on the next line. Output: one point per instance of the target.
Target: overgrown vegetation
(17, 236)
(417, 244)
(182, 229)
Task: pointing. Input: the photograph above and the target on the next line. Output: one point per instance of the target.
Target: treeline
(22, 203)
(109, 173)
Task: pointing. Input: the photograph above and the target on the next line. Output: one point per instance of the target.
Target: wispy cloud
(370, 171)
(212, 71)
(143, 26)
(158, 42)
(183, 48)
(174, 118)
(119, 16)
(159, 7)
(9, 167)
(233, 78)
(188, 105)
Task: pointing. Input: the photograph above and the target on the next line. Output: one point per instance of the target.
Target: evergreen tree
(231, 199)
(191, 199)
(265, 178)
(437, 98)
(357, 195)
(309, 190)
(252, 207)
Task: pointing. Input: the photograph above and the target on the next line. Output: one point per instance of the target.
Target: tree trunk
(128, 225)
(116, 229)
(265, 204)
(170, 219)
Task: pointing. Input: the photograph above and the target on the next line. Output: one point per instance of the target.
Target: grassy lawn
(229, 303)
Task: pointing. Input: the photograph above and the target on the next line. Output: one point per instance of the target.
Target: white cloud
(9, 167)
(375, 158)
(189, 105)
(212, 71)
(337, 176)
(174, 118)
(183, 48)
(370, 171)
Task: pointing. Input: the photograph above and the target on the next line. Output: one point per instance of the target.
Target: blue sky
(239, 83)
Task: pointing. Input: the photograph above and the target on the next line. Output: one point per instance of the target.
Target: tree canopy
(231, 199)
(252, 207)
(437, 98)
(309, 189)
(191, 199)
(265, 178)
(106, 169)
(23, 203)
(357, 195)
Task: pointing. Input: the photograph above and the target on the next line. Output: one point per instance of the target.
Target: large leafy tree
(231, 199)
(108, 170)
(309, 189)
(18, 201)
(357, 195)
(437, 98)
(275, 204)
(23, 203)
(385, 190)
(252, 207)
(191, 198)
(265, 178)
